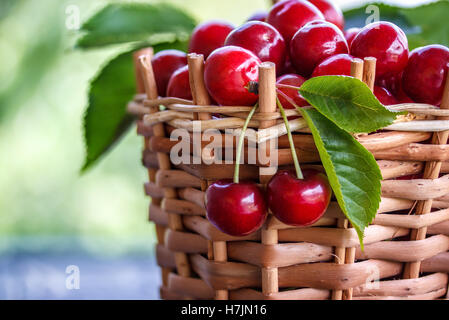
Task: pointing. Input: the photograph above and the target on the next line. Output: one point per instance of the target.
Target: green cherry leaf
(351, 169)
(120, 23)
(347, 102)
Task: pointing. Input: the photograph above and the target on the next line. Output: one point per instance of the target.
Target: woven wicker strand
(403, 124)
(359, 70)
(431, 171)
(201, 97)
(281, 261)
(267, 104)
(156, 200)
(346, 255)
(174, 220)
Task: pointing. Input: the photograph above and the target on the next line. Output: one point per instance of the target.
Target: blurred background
(51, 217)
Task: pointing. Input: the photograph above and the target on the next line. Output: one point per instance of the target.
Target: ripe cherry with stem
(297, 198)
(234, 207)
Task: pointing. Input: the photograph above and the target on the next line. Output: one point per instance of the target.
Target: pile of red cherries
(304, 39)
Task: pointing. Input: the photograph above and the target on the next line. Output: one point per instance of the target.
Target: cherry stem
(286, 97)
(299, 174)
(241, 142)
(286, 86)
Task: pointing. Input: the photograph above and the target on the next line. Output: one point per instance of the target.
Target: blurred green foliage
(131, 22)
(6, 6)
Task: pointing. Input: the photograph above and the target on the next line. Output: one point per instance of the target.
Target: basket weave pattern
(323, 261)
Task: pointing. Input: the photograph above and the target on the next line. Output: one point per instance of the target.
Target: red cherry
(331, 12)
(259, 16)
(237, 209)
(313, 43)
(387, 43)
(299, 202)
(208, 36)
(394, 85)
(290, 15)
(402, 97)
(350, 35)
(425, 75)
(261, 39)
(291, 80)
(410, 177)
(164, 64)
(227, 72)
(288, 66)
(384, 96)
(338, 65)
(179, 84)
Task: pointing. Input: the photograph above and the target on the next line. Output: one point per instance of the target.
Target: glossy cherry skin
(291, 80)
(313, 43)
(288, 66)
(289, 16)
(384, 96)
(298, 202)
(227, 72)
(350, 35)
(338, 65)
(387, 43)
(237, 209)
(261, 39)
(259, 16)
(402, 97)
(208, 36)
(179, 84)
(425, 75)
(394, 85)
(164, 64)
(331, 12)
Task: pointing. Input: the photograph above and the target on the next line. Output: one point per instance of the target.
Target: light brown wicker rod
(216, 250)
(431, 171)
(363, 71)
(200, 95)
(174, 220)
(197, 85)
(267, 103)
(369, 72)
(343, 255)
(140, 87)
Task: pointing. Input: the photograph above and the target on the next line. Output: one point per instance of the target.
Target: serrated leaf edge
(87, 161)
(340, 197)
(381, 125)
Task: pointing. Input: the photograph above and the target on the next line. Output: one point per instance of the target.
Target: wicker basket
(406, 247)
